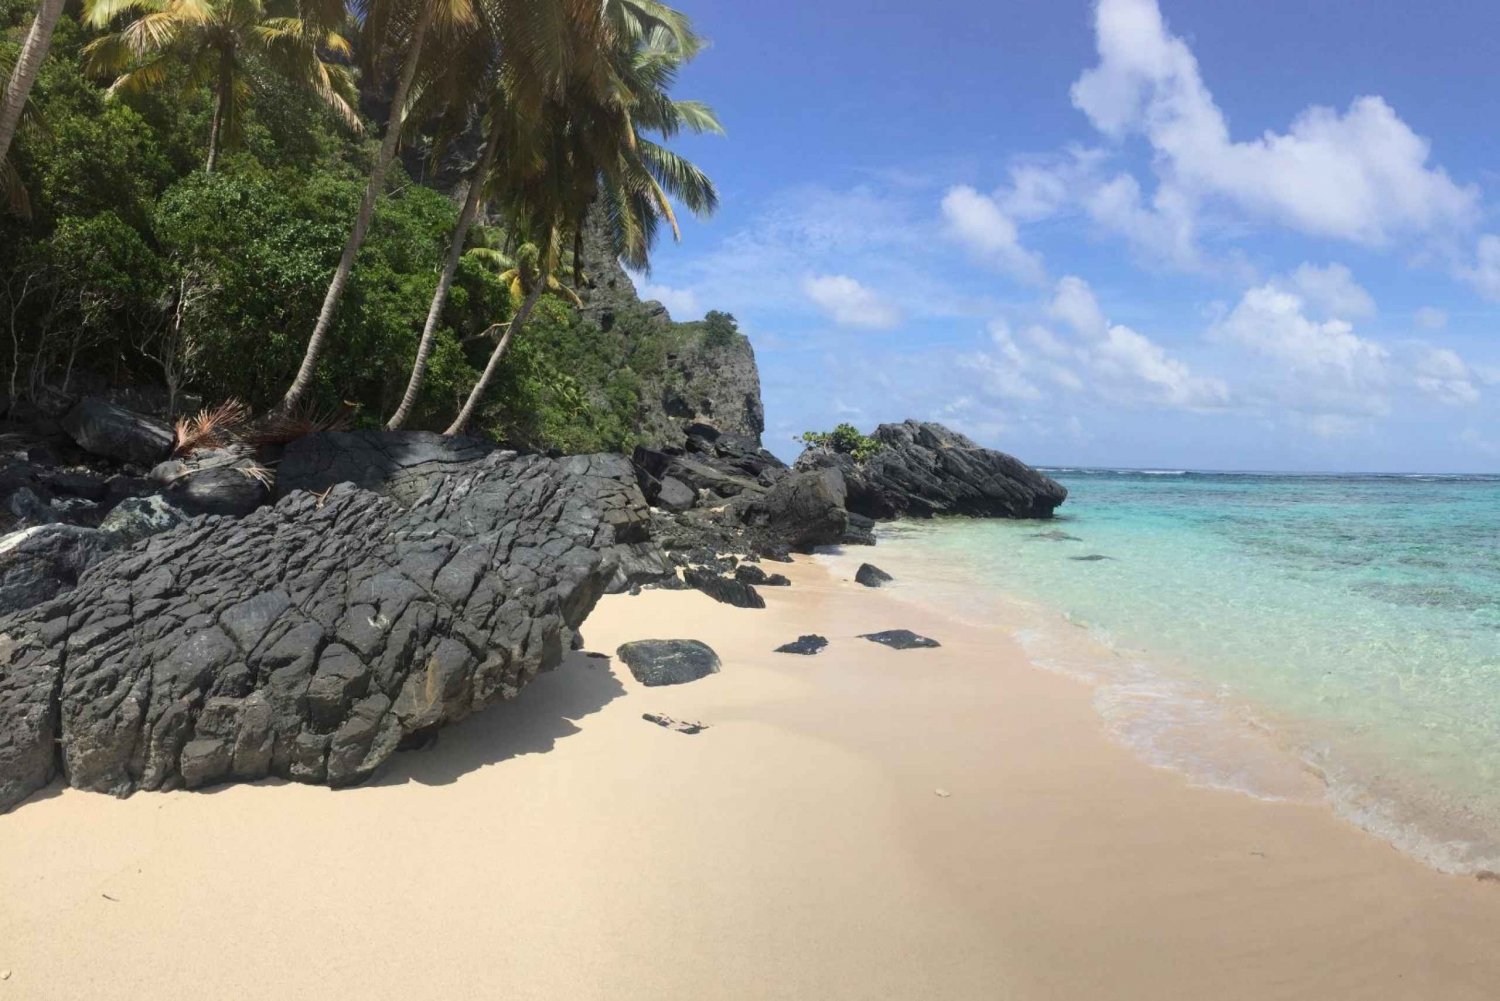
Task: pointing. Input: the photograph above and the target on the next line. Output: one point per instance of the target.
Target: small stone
(805, 645)
(679, 725)
(943, 793)
(870, 575)
(900, 639)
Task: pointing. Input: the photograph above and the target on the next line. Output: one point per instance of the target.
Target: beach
(863, 823)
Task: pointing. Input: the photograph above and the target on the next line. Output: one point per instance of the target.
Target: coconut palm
(22, 76)
(227, 44)
(13, 193)
(474, 79)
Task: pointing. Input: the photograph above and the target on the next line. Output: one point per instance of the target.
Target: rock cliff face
(703, 377)
(308, 640)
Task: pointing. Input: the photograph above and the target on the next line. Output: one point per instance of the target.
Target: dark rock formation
(110, 430)
(803, 510)
(804, 645)
(679, 725)
(924, 469)
(215, 481)
(749, 573)
(870, 575)
(725, 589)
(674, 495)
(309, 639)
(39, 563)
(900, 639)
(669, 662)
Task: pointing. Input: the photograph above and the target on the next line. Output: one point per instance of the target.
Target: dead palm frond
(211, 427)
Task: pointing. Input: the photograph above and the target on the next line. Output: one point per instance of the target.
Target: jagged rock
(669, 662)
(135, 518)
(859, 532)
(749, 573)
(215, 481)
(870, 575)
(900, 639)
(107, 429)
(30, 509)
(39, 563)
(674, 495)
(803, 510)
(309, 639)
(924, 469)
(76, 483)
(725, 589)
(804, 645)
(679, 725)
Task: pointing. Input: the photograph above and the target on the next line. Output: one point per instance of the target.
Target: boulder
(802, 511)
(308, 639)
(725, 589)
(924, 469)
(39, 563)
(804, 645)
(900, 639)
(674, 495)
(109, 430)
(136, 518)
(669, 662)
(870, 575)
(224, 481)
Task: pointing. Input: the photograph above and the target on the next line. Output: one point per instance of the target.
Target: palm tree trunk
(215, 129)
(316, 342)
(516, 323)
(445, 281)
(28, 64)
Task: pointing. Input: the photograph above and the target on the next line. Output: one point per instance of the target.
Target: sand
(562, 847)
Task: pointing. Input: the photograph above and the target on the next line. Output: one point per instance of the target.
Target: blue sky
(1137, 233)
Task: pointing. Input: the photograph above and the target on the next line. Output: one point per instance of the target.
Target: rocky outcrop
(310, 639)
(924, 469)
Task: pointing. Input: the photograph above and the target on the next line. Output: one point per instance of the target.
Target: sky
(1133, 233)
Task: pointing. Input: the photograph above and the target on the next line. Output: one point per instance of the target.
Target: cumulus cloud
(1331, 291)
(979, 223)
(849, 304)
(1443, 375)
(1361, 175)
(1484, 273)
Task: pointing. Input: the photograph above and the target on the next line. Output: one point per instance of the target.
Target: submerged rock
(870, 575)
(805, 645)
(1055, 536)
(1090, 558)
(309, 639)
(900, 639)
(669, 662)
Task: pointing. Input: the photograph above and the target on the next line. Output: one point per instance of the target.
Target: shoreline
(561, 845)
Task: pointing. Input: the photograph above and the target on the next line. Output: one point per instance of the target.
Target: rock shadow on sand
(543, 714)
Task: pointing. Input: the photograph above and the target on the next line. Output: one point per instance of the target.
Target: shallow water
(1255, 630)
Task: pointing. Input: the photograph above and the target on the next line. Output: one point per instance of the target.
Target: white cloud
(1443, 375)
(682, 303)
(978, 222)
(1430, 318)
(1331, 291)
(1484, 275)
(1360, 176)
(850, 304)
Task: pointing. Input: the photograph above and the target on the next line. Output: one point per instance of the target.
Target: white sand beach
(865, 823)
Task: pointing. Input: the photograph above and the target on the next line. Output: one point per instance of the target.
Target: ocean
(1287, 636)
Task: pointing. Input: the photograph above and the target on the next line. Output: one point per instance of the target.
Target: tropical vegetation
(204, 201)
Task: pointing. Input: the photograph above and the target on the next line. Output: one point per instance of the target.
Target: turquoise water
(1353, 622)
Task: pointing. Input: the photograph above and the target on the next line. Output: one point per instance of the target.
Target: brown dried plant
(211, 427)
(280, 429)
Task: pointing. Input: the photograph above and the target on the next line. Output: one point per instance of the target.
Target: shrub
(846, 440)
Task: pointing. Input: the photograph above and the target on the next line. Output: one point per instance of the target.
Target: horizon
(1131, 234)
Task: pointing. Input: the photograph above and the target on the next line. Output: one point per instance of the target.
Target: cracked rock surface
(308, 640)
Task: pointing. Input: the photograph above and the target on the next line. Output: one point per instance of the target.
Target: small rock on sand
(805, 645)
(669, 662)
(900, 639)
(680, 725)
(870, 575)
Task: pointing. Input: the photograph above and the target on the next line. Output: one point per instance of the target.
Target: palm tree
(593, 148)
(226, 44)
(22, 76)
(475, 78)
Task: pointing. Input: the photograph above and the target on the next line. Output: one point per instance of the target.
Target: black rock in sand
(805, 645)
(680, 725)
(870, 575)
(900, 639)
(725, 589)
(669, 662)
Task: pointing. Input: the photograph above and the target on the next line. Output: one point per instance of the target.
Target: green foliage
(846, 440)
(719, 329)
